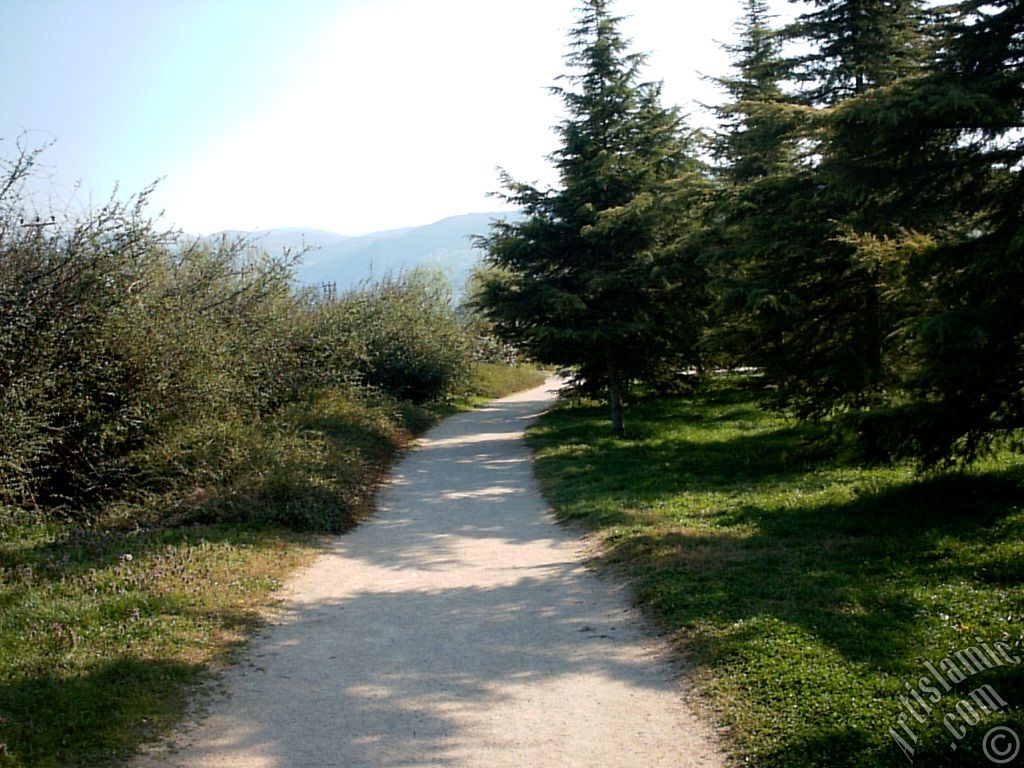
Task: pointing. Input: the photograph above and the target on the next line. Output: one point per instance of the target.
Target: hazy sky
(348, 115)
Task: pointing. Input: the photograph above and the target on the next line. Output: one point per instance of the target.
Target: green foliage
(487, 347)
(746, 241)
(412, 344)
(967, 340)
(865, 241)
(598, 275)
(134, 361)
(311, 466)
(806, 589)
(857, 45)
(832, 350)
(114, 335)
(934, 162)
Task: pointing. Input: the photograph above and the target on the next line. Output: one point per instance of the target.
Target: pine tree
(834, 347)
(598, 276)
(858, 45)
(752, 144)
(925, 169)
(960, 137)
(746, 245)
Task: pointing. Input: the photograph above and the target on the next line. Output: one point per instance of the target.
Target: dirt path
(458, 628)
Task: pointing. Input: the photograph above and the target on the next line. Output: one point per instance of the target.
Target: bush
(411, 343)
(135, 360)
(114, 334)
(67, 387)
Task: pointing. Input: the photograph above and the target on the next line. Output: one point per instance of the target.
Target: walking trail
(458, 627)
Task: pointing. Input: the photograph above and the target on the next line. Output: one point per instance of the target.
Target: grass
(102, 632)
(806, 591)
(107, 626)
(491, 380)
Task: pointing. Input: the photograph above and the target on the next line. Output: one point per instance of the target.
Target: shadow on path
(457, 627)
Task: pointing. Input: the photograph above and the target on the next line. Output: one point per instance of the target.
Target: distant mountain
(349, 261)
(292, 238)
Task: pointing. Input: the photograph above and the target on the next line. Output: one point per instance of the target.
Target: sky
(346, 115)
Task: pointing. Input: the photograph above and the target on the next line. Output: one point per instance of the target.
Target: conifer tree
(857, 45)
(921, 165)
(835, 345)
(954, 153)
(746, 245)
(597, 276)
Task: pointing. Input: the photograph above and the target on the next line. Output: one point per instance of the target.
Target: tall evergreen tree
(921, 165)
(833, 350)
(597, 275)
(746, 246)
(953, 152)
(856, 45)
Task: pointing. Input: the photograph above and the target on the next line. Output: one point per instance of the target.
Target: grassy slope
(491, 380)
(104, 629)
(806, 591)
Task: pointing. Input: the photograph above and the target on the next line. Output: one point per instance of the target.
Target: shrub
(411, 343)
(137, 360)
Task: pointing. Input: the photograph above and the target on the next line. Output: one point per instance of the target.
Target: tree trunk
(615, 397)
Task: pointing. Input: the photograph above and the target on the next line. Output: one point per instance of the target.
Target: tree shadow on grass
(92, 717)
(83, 683)
(841, 594)
(840, 571)
(653, 465)
(828, 565)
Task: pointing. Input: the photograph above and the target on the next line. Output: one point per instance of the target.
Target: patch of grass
(807, 591)
(315, 465)
(102, 631)
(492, 380)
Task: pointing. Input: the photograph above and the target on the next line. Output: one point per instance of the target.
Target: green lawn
(807, 592)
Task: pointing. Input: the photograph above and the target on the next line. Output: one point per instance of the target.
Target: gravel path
(458, 627)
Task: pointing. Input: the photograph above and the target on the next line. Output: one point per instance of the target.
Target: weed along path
(458, 627)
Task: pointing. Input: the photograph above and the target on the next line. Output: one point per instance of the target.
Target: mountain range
(348, 261)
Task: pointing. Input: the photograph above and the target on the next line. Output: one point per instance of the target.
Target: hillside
(348, 261)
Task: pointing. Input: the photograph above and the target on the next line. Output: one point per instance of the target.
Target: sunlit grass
(493, 380)
(489, 381)
(101, 631)
(805, 590)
